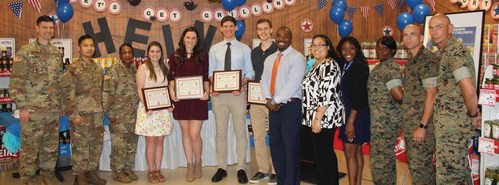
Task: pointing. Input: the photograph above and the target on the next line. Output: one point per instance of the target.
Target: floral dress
(160, 123)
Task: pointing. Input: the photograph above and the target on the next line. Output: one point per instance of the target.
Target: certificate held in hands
(226, 81)
(156, 98)
(189, 87)
(255, 94)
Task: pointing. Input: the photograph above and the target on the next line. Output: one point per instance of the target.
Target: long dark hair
(181, 52)
(359, 57)
(162, 65)
(330, 53)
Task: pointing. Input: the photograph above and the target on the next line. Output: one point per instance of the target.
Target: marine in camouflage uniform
(82, 84)
(452, 124)
(421, 74)
(386, 118)
(121, 101)
(35, 87)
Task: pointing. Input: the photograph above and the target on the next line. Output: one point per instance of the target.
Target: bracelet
(423, 126)
(476, 114)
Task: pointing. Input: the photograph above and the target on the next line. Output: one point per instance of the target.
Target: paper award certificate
(189, 87)
(156, 98)
(226, 81)
(255, 94)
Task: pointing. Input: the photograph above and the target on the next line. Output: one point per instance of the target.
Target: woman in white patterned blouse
(322, 107)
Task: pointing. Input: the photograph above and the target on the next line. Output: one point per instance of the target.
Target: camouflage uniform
(121, 101)
(82, 84)
(35, 86)
(386, 117)
(421, 74)
(452, 124)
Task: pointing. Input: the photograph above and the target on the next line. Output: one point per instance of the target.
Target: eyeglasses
(318, 45)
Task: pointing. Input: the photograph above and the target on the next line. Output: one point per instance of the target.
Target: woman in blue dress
(356, 130)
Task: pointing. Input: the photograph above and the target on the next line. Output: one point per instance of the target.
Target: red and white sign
(256, 9)
(279, 4)
(148, 12)
(485, 5)
(244, 11)
(219, 14)
(307, 25)
(115, 7)
(267, 7)
(234, 13)
(100, 5)
(207, 15)
(290, 2)
(473, 4)
(86, 3)
(161, 14)
(175, 15)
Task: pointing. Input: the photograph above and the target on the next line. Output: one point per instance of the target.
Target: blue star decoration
(387, 31)
(496, 11)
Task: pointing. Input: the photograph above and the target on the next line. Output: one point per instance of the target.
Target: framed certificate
(255, 94)
(226, 81)
(189, 87)
(156, 98)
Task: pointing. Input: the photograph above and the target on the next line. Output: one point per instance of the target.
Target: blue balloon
(59, 2)
(404, 19)
(64, 12)
(336, 14)
(420, 12)
(340, 3)
(240, 2)
(241, 27)
(229, 5)
(412, 3)
(345, 28)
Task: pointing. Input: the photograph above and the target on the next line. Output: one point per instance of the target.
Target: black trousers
(325, 159)
(284, 133)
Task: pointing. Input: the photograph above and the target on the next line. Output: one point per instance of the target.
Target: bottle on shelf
(6, 92)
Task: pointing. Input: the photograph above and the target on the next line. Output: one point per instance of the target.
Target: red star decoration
(306, 26)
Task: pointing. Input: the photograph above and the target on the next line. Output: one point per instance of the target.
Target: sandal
(151, 175)
(160, 177)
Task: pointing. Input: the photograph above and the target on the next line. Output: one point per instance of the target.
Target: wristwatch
(423, 126)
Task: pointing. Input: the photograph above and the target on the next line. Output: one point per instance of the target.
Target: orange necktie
(274, 74)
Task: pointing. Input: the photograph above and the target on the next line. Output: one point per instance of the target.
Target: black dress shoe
(221, 173)
(241, 177)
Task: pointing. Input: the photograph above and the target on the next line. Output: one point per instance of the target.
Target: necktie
(274, 74)
(227, 58)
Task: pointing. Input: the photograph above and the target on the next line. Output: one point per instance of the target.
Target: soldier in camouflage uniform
(456, 105)
(385, 95)
(420, 89)
(35, 88)
(82, 84)
(121, 101)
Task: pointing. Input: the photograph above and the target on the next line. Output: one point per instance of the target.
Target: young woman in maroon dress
(190, 60)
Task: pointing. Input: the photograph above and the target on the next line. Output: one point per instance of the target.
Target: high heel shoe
(197, 169)
(189, 177)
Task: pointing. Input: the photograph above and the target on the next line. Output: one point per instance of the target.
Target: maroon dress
(192, 109)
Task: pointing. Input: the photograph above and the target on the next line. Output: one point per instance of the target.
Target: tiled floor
(177, 176)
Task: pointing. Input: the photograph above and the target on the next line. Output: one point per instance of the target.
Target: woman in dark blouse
(190, 60)
(354, 95)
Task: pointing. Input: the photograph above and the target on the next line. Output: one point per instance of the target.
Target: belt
(290, 100)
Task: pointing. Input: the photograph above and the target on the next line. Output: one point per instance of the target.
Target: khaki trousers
(224, 105)
(259, 121)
